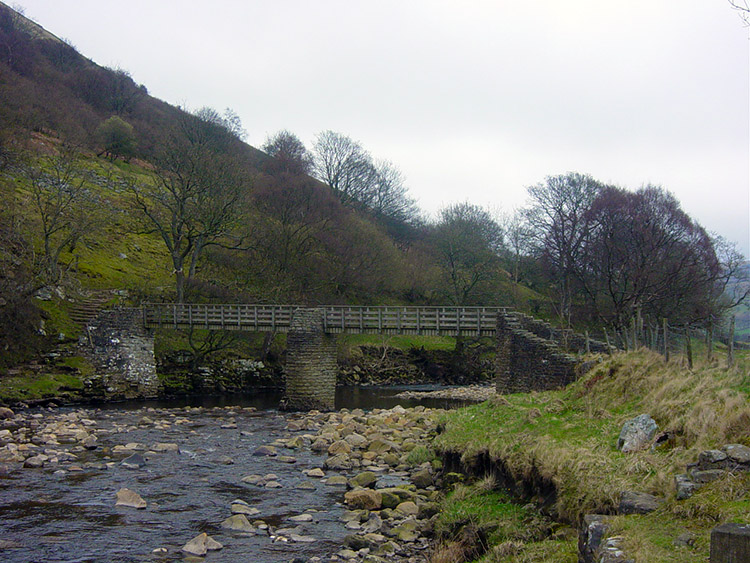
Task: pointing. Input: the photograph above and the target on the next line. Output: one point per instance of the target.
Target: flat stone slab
(632, 502)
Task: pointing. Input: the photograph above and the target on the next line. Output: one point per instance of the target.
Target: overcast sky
(472, 100)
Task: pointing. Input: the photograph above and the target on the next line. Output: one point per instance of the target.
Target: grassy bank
(568, 438)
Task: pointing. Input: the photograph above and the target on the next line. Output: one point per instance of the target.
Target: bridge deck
(469, 321)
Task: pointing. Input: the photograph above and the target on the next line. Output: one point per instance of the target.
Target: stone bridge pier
(311, 367)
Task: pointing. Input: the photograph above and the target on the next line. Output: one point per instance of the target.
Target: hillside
(111, 196)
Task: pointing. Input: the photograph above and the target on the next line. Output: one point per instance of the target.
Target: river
(65, 511)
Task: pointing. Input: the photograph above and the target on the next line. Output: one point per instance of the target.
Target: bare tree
(558, 228)
(346, 166)
(66, 208)
(468, 241)
(743, 8)
(646, 257)
(289, 153)
(390, 195)
(192, 201)
(229, 120)
(517, 236)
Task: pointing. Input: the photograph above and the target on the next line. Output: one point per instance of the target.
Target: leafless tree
(345, 166)
(390, 196)
(558, 228)
(192, 200)
(468, 240)
(66, 208)
(229, 120)
(743, 8)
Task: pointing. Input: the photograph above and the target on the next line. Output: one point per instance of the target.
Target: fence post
(606, 339)
(688, 347)
(665, 330)
(710, 341)
(730, 347)
(634, 336)
(588, 343)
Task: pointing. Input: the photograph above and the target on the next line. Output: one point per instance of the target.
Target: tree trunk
(179, 275)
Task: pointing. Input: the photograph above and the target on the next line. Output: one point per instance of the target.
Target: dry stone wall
(525, 362)
(311, 367)
(567, 339)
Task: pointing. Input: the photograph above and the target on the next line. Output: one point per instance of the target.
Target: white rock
(201, 544)
(126, 497)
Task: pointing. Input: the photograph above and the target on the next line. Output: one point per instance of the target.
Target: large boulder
(637, 433)
(367, 499)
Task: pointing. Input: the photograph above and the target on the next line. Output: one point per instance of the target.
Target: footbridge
(447, 321)
(525, 360)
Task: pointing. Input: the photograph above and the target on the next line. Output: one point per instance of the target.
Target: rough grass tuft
(568, 438)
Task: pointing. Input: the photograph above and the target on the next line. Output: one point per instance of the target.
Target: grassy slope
(569, 438)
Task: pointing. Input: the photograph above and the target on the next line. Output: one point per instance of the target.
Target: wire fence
(684, 343)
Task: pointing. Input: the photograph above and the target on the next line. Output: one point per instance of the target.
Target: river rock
(265, 451)
(355, 440)
(357, 542)
(316, 472)
(201, 544)
(305, 486)
(319, 445)
(374, 523)
(365, 479)
(34, 462)
(296, 442)
(364, 498)
(407, 531)
(389, 499)
(244, 508)
(407, 508)
(126, 497)
(239, 523)
(337, 481)
(161, 447)
(134, 461)
(637, 433)
(339, 447)
(306, 517)
(339, 462)
(379, 446)
(422, 479)
(6, 413)
(301, 539)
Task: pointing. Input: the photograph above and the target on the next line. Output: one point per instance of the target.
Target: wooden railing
(475, 321)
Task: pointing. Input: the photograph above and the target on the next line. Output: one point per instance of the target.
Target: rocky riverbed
(216, 484)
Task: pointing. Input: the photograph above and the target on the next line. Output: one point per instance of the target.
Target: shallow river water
(60, 514)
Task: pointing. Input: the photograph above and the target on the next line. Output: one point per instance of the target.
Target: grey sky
(472, 100)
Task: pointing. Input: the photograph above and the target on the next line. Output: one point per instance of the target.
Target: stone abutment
(311, 367)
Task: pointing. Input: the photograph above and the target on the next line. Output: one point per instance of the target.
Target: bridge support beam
(311, 366)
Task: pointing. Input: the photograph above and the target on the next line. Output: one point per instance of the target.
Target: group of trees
(613, 254)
